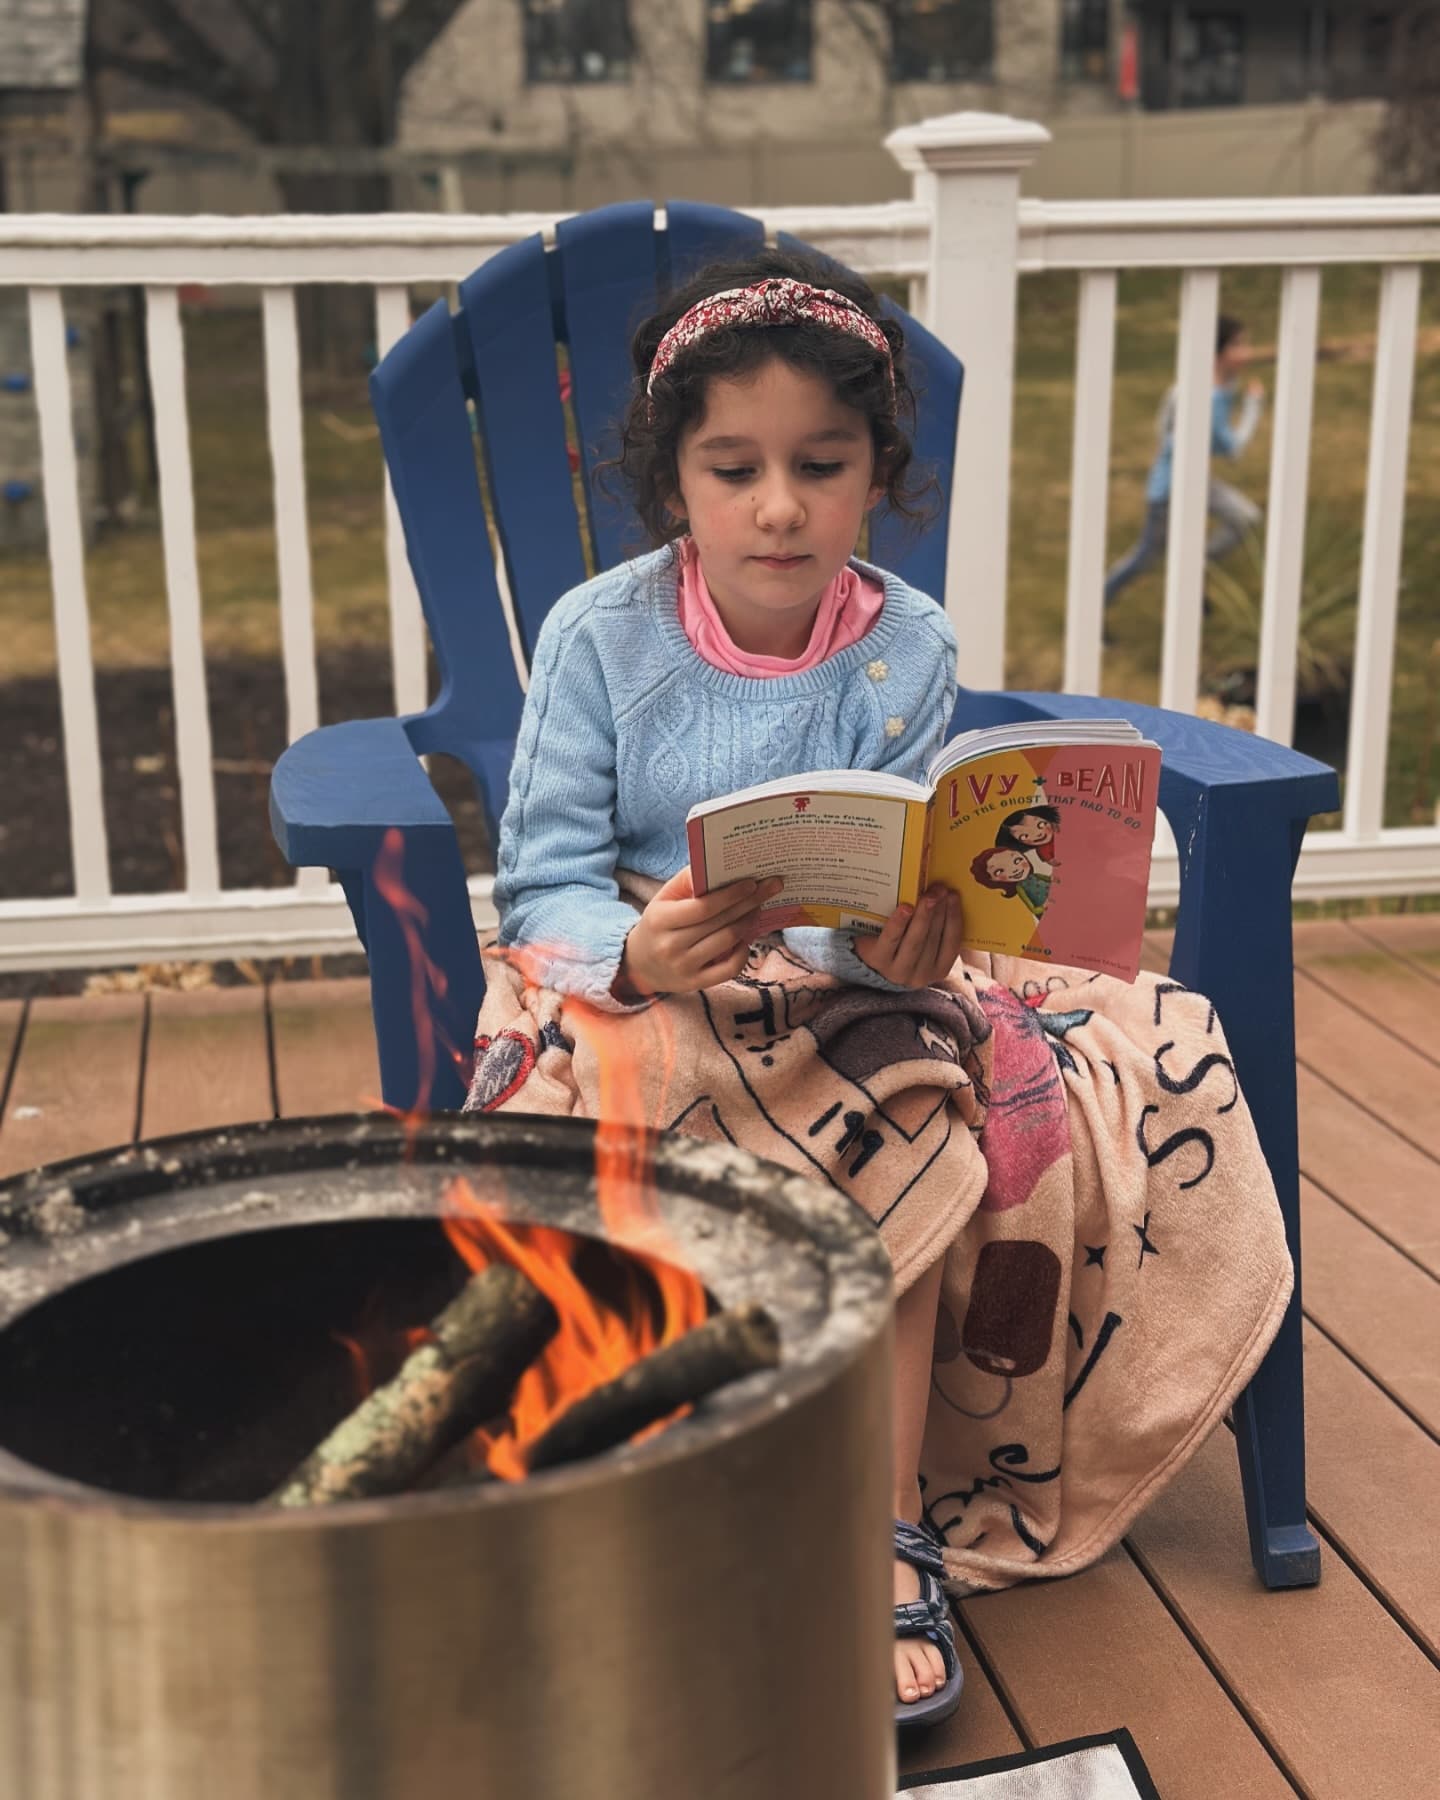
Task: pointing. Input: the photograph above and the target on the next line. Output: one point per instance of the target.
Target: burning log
(479, 1347)
(720, 1351)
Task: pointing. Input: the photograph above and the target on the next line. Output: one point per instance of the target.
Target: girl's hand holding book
(682, 944)
(917, 945)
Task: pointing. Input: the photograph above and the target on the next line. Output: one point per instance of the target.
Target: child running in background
(996, 1124)
(1234, 512)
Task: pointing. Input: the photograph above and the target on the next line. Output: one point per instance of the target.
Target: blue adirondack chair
(1238, 805)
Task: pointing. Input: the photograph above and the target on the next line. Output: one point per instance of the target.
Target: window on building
(577, 40)
(1210, 66)
(942, 40)
(1358, 53)
(1085, 40)
(757, 40)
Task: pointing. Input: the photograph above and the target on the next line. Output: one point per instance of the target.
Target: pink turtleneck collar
(848, 608)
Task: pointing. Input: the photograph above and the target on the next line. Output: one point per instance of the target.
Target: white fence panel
(285, 418)
(81, 731)
(961, 243)
(1289, 484)
(1189, 486)
(1380, 557)
(166, 350)
(1090, 481)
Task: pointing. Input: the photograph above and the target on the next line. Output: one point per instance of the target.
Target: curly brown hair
(654, 423)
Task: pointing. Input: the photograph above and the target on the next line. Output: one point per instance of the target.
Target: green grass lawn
(234, 509)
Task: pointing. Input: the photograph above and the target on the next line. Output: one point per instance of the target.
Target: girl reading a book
(769, 415)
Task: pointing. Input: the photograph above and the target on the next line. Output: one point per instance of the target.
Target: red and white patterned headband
(776, 301)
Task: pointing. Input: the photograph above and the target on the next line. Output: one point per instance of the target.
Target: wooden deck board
(1363, 1164)
(207, 1061)
(1100, 1650)
(76, 1086)
(1415, 936)
(1348, 1702)
(1381, 1309)
(325, 1058)
(1376, 1069)
(1363, 973)
(1374, 1484)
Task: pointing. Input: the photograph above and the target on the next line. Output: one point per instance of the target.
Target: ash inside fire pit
(209, 1372)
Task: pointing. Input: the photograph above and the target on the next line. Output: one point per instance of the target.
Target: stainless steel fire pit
(703, 1616)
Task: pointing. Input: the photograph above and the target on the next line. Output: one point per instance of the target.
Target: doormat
(1106, 1767)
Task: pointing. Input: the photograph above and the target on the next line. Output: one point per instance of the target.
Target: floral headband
(775, 301)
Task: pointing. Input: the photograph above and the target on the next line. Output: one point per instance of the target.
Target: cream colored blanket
(1076, 1149)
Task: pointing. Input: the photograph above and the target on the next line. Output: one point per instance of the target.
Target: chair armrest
(1200, 758)
(336, 792)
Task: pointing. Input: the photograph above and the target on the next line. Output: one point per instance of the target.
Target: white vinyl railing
(962, 243)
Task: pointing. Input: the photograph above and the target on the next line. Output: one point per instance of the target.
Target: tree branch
(169, 76)
(411, 32)
(197, 66)
(262, 23)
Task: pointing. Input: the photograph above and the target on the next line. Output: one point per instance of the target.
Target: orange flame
(426, 976)
(594, 1342)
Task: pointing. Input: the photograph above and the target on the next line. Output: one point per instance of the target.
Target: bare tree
(320, 77)
(1409, 141)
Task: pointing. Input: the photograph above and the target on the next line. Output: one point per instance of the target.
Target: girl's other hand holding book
(917, 945)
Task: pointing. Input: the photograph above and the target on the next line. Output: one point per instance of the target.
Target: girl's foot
(919, 1666)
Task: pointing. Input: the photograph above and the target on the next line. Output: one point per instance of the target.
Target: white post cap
(967, 140)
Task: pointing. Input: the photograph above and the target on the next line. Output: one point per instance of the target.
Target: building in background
(563, 104)
(774, 101)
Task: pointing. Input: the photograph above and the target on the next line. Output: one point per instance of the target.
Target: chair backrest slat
(426, 435)
(696, 234)
(898, 543)
(507, 312)
(609, 281)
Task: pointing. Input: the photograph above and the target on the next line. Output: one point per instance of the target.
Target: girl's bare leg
(919, 1667)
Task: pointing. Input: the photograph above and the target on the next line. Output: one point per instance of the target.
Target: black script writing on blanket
(1177, 1140)
(1109, 1326)
(1187, 1084)
(1008, 1460)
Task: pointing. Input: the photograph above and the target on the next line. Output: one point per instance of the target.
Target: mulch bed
(141, 785)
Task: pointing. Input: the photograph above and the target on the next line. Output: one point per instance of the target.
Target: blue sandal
(928, 1617)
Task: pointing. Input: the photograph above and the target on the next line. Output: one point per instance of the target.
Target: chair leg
(1233, 942)
(412, 909)
(1270, 1436)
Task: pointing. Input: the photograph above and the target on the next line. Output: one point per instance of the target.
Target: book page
(847, 859)
(1049, 850)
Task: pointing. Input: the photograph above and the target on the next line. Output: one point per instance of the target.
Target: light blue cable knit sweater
(626, 727)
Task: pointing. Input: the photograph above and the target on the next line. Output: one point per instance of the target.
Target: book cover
(1049, 850)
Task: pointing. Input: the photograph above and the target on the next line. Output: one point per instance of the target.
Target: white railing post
(966, 169)
(1189, 490)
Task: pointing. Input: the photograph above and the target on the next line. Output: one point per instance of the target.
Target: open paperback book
(1043, 828)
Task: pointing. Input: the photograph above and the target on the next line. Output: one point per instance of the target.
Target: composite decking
(1231, 1693)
